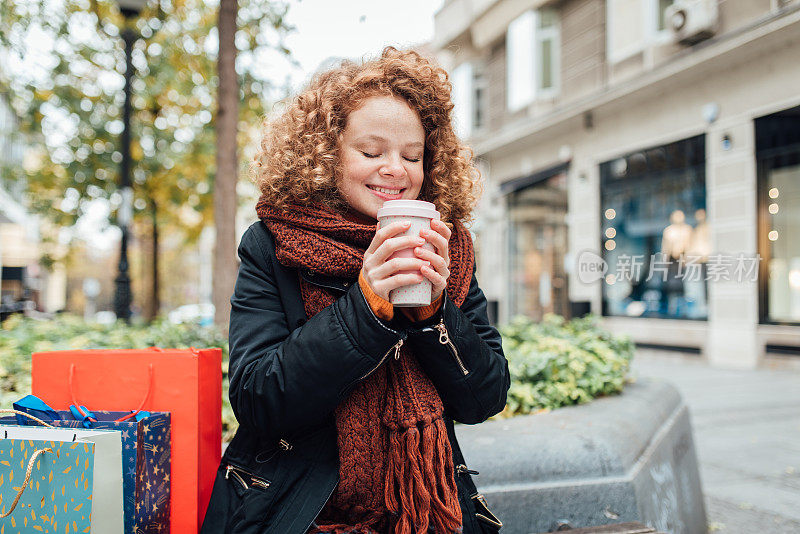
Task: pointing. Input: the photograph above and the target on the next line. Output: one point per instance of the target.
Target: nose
(393, 166)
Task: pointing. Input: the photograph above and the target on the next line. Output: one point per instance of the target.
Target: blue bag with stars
(145, 456)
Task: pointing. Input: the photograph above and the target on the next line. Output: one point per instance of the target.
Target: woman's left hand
(438, 272)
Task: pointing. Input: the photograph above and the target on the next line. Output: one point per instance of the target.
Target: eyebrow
(415, 144)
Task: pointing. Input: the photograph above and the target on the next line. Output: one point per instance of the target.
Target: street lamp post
(122, 297)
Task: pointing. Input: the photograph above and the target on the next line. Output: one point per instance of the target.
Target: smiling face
(381, 154)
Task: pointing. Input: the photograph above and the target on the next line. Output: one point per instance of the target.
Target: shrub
(20, 337)
(556, 362)
(553, 363)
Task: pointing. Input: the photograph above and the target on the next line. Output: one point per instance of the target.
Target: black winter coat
(288, 373)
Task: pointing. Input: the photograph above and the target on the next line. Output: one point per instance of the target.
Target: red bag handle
(125, 418)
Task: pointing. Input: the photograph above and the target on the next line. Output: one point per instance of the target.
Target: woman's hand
(439, 262)
(381, 273)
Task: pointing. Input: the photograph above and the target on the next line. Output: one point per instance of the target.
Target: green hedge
(556, 363)
(552, 363)
(20, 337)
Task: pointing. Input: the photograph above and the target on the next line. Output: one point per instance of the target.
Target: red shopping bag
(185, 382)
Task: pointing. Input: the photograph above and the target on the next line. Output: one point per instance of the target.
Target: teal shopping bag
(60, 479)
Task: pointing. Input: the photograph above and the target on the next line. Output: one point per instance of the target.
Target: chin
(369, 209)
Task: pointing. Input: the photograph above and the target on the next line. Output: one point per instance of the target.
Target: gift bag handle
(26, 414)
(125, 418)
(27, 476)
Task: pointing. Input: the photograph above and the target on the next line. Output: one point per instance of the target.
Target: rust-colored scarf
(396, 467)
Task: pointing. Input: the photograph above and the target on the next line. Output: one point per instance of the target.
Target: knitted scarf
(396, 467)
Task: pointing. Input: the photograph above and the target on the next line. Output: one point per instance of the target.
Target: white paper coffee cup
(419, 213)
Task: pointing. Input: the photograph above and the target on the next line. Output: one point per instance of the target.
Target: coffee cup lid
(411, 208)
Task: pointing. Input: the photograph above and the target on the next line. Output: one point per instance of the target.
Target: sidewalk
(747, 436)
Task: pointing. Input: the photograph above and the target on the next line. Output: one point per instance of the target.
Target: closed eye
(368, 155)
(412, 160)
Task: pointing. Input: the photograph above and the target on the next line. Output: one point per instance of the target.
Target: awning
(541, 175)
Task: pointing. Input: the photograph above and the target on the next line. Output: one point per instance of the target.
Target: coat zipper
(254, 480)
(444, 339)
(395, 348)
(229, 470)
(463, 469)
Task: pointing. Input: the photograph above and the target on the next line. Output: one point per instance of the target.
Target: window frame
(553, 33)
(652, 35)
(520, 102)
(480, 81)
(463, 98)
(656, 36)
(536, 38)
(764, 164)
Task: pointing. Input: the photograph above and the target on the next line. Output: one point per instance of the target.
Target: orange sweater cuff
(423, 312)
(382, 307)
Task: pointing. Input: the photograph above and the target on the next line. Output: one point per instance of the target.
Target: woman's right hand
(381, 273)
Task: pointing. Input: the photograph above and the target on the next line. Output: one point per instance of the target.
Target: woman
(346, 405)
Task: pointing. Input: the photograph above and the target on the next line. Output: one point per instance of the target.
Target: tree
(72, 98)
(225, 184)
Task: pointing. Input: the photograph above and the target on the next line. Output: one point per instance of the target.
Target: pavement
(746, 427)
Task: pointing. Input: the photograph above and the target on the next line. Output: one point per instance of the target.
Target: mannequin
(676, 237)
(674, 243)
(700, 240)
(695, 282)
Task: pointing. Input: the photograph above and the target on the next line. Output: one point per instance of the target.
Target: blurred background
(640, 131)
(634, 128)
(68, 187)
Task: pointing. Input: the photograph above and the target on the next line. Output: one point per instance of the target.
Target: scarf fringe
(416, 466)
(368, 525)
(344, 529)
(341, 528)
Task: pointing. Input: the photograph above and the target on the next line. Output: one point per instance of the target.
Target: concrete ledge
(629, 457)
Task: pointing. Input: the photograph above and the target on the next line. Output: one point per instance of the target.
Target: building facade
(641, 161)
(22, 279)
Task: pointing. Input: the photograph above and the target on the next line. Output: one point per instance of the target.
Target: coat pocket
(246, 480)
(488, 522)
(251, 498)
(479, 514)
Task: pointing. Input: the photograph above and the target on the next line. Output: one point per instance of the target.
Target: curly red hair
(298, 157)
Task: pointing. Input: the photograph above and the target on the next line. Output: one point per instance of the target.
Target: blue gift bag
(145, 456)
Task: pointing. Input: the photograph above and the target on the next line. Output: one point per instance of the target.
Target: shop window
(537, 247)
(778, 157)
(655, 238)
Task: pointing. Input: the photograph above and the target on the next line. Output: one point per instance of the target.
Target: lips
(387, 190)
(384, 195)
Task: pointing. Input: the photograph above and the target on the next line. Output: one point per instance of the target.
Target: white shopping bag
(106, 482)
